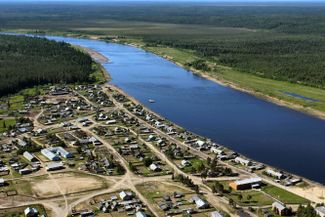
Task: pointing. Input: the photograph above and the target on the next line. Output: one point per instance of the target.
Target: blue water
(261, 130)
(300, 96)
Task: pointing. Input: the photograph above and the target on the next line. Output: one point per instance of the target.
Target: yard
(6, 123)
(283, 195)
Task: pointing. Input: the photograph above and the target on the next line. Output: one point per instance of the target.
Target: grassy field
(284, 196)
(6, 123)
(250, 198)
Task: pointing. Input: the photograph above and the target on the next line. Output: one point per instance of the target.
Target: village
(91, 150)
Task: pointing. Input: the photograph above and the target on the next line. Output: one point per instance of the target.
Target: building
(29, 156)
(2, 182)
(25, 171)
(50, 155)
(216, 214)
(243, 161)
(22, 143)
(126, 195)
(185, 163)
(61, 151)
(54, 166)
(199, 202)
(154, 167)
(320, 211)
(274, 174)
(140, 214)
(87, 214)
(30, 212)
(245, 184)
(216, 150)
(280, 209)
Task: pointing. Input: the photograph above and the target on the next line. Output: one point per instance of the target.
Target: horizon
(170, 1)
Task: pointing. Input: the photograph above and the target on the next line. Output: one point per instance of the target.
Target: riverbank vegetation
(29, 61)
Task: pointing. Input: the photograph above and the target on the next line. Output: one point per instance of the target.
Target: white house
(126, 195)
(200, 203)
(2, 182)
(216, 214)
(320, 211)
(30, 212)
(243, 161)
(140, 214)
(154, 167)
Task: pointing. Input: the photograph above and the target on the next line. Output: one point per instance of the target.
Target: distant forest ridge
(290, 18)
(28, 61)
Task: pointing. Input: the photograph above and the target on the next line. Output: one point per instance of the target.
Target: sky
(165, 0)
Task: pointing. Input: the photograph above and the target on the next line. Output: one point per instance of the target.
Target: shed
(30, 212)
(140, 214)
(320, 211)
(29, 156)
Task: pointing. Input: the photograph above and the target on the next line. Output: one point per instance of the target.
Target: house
(25, 171)
(245, 184)
(275, 174)
(320, 211)
(30, 212)
(280, 209)
(199, 202)
(61, 151)
(111, 122)
(243, 161)
(154, 167)
(126, 195)
(216, 150)
(87, 214)
(140, 214)
(54, 166)
(50, 155)
(2, 182)
(216, 214)
(185, 163)
(29, 156)
(200, 144)
(22, 143)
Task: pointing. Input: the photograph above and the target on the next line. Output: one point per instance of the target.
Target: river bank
(218, 79)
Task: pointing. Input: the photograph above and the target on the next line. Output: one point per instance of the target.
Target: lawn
(283, 195)
(196, 164)
(5, 123)
(16, 102)
(256, 198)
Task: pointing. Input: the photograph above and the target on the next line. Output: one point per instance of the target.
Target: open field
(61, 183)
(284, 196)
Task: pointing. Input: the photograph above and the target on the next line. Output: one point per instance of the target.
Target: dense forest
(281, 17)
(28, 61)
(293, 59)
(283, 41)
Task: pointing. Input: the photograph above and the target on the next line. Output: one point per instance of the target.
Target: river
(260, 130)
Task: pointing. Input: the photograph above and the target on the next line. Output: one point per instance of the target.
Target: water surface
(263, 131)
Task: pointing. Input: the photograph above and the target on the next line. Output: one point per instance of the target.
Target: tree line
(28, 61)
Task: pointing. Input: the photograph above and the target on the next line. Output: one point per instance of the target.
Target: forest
(276, 40)
(28, 61)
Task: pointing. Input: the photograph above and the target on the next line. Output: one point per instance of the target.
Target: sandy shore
(96, 55)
